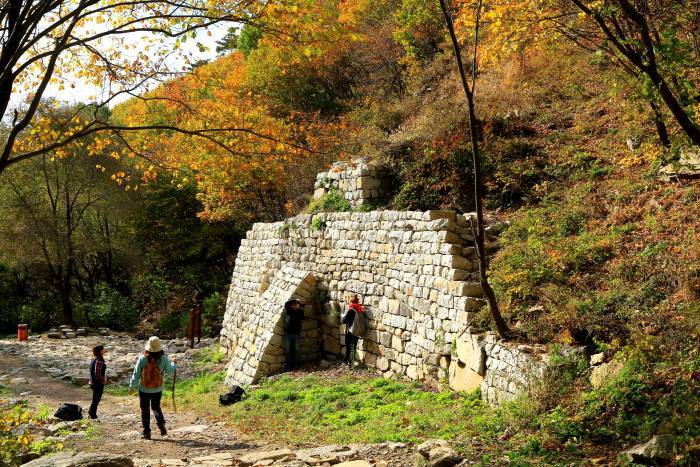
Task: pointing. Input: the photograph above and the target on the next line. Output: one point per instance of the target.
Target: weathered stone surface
(255, 457)
(687, 167)
(463, 378)
(356, 463)
(510, 370)
(471, 352)
(258, 353)
(79, 380)
(72, 459)
(605, 372)
(331, 454)
(658, 450)
(359, 181)
(438, 453)
(597, 359)
(220, 459)
(189, 429)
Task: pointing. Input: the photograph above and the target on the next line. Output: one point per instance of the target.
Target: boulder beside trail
(438, 453)
(77, 459)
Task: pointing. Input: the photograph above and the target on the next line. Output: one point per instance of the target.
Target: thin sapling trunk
(500, 323)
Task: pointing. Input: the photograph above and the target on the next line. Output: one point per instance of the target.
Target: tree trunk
(500, 323)
(66, 304)
(679, 113)
(658, 118)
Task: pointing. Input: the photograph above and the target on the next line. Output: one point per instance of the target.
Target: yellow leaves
(646, 154)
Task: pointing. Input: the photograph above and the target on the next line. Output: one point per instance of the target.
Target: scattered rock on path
(258, 456)
(72, 459)
(222, 459)
(79, 380)
(331, 454)
(190, 429)
(438, 453)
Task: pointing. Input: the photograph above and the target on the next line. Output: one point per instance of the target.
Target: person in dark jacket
(98, 378)
(293, 316)
(351, 339)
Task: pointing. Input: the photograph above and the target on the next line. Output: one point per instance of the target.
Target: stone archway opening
(260, 348)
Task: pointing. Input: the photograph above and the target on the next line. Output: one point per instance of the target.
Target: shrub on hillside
(434, 176)
(512, 169)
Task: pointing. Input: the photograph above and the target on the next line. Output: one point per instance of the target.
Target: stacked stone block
(413, 271)
(359, 181)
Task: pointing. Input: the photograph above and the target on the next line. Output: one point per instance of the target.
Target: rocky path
(192, 440)
(68, 359)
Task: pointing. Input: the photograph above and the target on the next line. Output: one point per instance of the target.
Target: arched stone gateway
(259, 326)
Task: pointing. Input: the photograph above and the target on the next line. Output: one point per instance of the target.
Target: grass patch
(333, 201)
(208, 358)
(313, 409)
(117, 391)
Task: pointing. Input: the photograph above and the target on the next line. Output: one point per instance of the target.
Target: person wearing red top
(349, 318)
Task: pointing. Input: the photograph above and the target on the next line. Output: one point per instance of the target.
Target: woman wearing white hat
(148, 377)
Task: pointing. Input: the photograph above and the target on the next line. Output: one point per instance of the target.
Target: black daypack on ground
(69, 412)
(233, 396)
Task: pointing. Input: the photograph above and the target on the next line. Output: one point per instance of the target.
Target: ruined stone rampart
(359, 181)
(415, 275)
(412, 270)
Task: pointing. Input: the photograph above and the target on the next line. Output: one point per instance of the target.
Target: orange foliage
(243, 166)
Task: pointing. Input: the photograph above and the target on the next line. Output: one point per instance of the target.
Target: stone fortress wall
(415, 272)
(361, 182)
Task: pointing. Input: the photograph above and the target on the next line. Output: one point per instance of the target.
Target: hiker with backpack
(148, 378)
(355, 323)
(98, 378)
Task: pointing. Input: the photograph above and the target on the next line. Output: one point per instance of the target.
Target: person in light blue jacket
(148, 378)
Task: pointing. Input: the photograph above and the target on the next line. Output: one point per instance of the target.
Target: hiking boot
(146, 435)
(163, 431)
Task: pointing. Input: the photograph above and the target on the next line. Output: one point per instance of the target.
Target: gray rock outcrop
(73, 459)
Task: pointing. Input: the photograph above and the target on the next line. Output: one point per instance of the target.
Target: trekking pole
(174, 379)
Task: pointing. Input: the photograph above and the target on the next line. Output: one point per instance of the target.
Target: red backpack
(151, 377)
